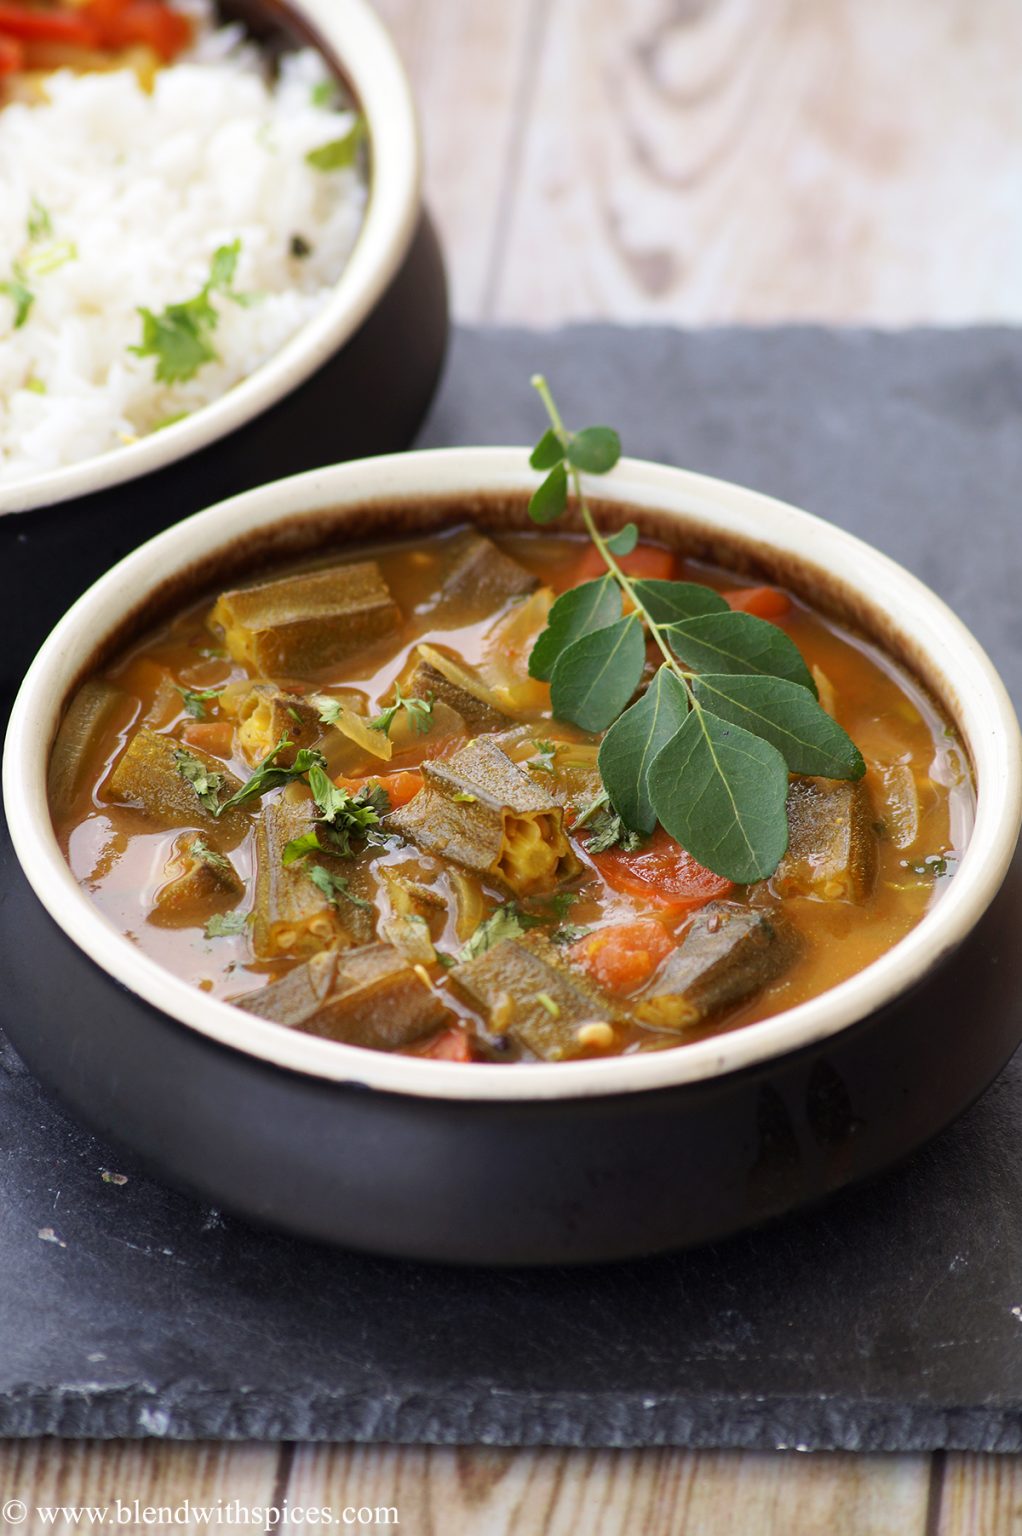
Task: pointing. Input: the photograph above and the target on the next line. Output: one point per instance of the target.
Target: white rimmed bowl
(355, 42)
(518, 1163)
(356, 379)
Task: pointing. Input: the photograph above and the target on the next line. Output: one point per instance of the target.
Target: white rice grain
(142, 189)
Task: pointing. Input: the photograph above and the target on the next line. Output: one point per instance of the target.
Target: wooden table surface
(691, 161)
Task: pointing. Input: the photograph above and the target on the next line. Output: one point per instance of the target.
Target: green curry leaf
(668, 602)
(550, 497)
(593, 605)
(738, 642)
(595, 449)
(595, 677)
(632, 743)
(548, 451)
(624, 541)
(786, 715)
(722, 793)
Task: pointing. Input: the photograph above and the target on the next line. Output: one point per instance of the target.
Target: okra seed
(598, 1037)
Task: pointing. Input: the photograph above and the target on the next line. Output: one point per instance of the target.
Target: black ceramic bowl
(527, 1163)
(357, 379)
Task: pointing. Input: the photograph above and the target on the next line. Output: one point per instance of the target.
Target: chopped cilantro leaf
(206, 855)
(180, 337)
(340, 153)
(20, 295)
(206, 784)
(223, 925)
(419, 712)
(40, 224)
(334, 887)
(194, 699)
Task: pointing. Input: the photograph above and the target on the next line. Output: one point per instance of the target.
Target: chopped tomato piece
(662, 872)
(623, 956)
(146, 23)
(29, 24)
(645, 560)
(763, 602)
(12, 56)
(216, 736)
(401, 786)
(450, 1045)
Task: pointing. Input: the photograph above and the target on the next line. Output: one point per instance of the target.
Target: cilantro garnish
(19, 293)
(206, 784)
(195, 699)
(206, 855)
(269, 774)
(340, 153)
(223, 925)
(341, 817)
(419, 712)
(334, 887)
(180, 336)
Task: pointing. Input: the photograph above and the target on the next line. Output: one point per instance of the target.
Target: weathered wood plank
(980, 1496)
(159, 1474)
(746, 160)
(441, 1492)
(471, 69)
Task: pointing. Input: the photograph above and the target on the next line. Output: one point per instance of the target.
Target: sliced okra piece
(482, 812)
(437, 675)
(369, 996)
(293, 914)
(198, 880)
(149, 775)
(266, 714)
(88, 715)
(832, 842)
(729, 953)
(298, 624)
(528, 992)
(481, 579)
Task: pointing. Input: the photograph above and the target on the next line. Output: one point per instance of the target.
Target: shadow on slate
(889, 1319)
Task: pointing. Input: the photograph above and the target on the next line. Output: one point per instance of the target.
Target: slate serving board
(890, 1319)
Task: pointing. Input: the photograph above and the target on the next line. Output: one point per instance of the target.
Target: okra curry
(340, 798)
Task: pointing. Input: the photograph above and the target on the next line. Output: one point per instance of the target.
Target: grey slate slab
(891, 1318)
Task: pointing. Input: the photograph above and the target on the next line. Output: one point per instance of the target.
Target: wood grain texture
(703, 161)
(441, 1492)
(980, 1496)
(91, 1473)
(470, 69)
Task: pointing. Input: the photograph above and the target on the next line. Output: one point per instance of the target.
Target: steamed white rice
(140, 190)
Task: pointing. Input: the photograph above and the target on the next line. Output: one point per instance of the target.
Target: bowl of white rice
(178, 255)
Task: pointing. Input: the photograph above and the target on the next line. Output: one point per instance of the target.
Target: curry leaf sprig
(706, 748)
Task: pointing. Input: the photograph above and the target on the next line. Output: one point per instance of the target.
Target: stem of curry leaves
(624, 581)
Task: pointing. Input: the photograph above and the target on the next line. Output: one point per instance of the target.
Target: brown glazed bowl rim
(422, 490)
(358, 48)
